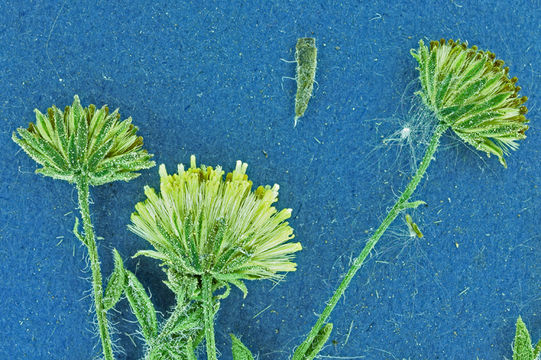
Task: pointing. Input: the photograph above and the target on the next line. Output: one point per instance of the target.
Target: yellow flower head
(471, 91)
(201, 223)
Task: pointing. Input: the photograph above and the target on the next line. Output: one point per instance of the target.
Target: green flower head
(201, 223)
(471, 91)
(84, 142)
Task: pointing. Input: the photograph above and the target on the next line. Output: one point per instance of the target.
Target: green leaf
(319, 341)
(537, 349)
(240, 285)
(142, 307)
(192, 321)
(522, 349)
(412, 204)
(76, 232)
(116, 284)
(239, 350)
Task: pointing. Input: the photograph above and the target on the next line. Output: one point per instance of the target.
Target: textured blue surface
(205, 78)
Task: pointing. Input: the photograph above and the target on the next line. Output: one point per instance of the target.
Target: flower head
(84, 141)
(471, 91)
(201, 223)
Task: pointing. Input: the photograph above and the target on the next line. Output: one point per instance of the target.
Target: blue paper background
(205, 78)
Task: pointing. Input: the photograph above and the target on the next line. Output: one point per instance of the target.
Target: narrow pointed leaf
(239, 350)
(522, 349)
(319, 341)
(240, 285)
(116, 284)
(141, 306)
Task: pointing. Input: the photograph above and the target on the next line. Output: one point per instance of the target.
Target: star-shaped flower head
(201, 223)
(471, 91)
(84, 142)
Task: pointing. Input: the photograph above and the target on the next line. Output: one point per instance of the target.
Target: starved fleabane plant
(87, 146)
(469, 91)
(210, 232)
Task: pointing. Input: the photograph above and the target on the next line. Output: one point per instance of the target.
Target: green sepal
(442, 91)
(100, 121)
(117, 283)
(151, 254)
(239, 350)
(44, 128)
(474, 71)
(431, 70)
(124, 176)
(141, 306)
(60, 128)
(55, 174)
(174, 250)
(34, 153)
(319, 341)
(129, 161)
(82, 134)
(469, 91)
(49, 153)
(522, 349)
(218, 237)
(220, 263)
(99, 154)
(72, 152)
(188, 231)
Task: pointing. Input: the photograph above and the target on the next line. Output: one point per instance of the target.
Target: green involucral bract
(469, 90)
(201, 223)
(86, 142)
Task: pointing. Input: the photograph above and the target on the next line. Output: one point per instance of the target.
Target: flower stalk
(401, 204)
(97, 286)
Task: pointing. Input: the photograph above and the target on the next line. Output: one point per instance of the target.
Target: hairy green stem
(97, 287)
(208, 315)
(401, 204)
